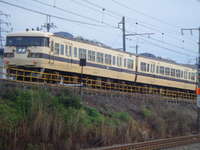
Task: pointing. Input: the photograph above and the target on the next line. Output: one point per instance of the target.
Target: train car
(55, 53)
(155, 71)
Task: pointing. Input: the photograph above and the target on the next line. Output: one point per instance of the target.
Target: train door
(152, 71)
(51, 53)
(136, 67)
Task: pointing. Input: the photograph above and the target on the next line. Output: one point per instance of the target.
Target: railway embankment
(40, 118)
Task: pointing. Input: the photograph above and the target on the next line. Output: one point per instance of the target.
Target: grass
(45, 118)
(49, 119)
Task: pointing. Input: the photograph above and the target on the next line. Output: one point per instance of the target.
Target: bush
(146, 112)
(122, 116)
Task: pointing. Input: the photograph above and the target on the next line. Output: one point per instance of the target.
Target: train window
(157, 69)
(91, 55)
(75, 51)
(82, 53)
(52, 45)
(70, 51)
(113, 60)
(100, 57)
(162, 70)
(173, 72)
(125, 62)
(181, 74)
(62, 49)
(108, 59)
(119, 61)
(193, 76)
(66, 50)
(27, 41)
(143, 66)
(148, 67)
(130, 63)
(185, 75)
(152, 68)
(189, 76)
(167, 71)
(57, 48)
(178, 73)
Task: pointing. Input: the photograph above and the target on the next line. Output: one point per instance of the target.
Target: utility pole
(139, 34)
(4, 25)
(124, 35)
(48, 25)
(198, 75)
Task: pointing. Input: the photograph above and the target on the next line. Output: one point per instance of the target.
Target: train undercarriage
(43, 75)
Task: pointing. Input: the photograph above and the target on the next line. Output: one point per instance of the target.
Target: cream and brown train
(61, 53)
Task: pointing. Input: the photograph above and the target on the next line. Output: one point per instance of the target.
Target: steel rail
(155, 144)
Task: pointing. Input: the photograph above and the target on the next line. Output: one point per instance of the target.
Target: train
(61, 53)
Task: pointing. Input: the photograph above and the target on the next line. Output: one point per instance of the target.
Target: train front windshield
(27, 41)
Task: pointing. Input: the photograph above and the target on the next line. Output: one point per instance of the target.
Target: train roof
(31, 33)
(158, 58)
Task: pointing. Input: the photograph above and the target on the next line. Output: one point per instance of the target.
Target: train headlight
(21, 50)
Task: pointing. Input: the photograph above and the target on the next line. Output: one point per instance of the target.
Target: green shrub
(146, 112)
(122, 116)
(9, 116)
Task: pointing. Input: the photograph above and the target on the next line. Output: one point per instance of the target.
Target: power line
(117, 15)
(145, 26)
(170, 44)
(173, 37)
(100, 10)
(73, 13)
(54, 16)
(67, 11)
(168, 49)
(143, 14)
(75, 21)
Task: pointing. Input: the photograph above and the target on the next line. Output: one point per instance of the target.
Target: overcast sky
(164, 18)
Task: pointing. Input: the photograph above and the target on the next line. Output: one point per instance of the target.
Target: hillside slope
(41, 118)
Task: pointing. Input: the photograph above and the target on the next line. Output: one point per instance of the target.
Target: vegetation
(49, 119)
(34, 119)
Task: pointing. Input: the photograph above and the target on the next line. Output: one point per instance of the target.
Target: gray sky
(152, 16)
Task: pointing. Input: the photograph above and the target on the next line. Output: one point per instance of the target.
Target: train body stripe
(67, 60)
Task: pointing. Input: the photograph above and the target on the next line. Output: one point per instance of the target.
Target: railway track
(156, 144)
(33, 77)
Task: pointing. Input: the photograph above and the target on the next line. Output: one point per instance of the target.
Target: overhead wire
(141, 23)
(73, 13)
(80, 22)
(144, 14)
(168, 49)
(100, 10)
(46, 14)
(117, 15)
(160, 46)
(167, 34)
(170, 44)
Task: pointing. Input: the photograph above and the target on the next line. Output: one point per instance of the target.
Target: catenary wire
(46, 14)
(141, 23)
(39, 12)
(73, 13)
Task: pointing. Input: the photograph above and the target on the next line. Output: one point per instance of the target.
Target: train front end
(26, 49)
